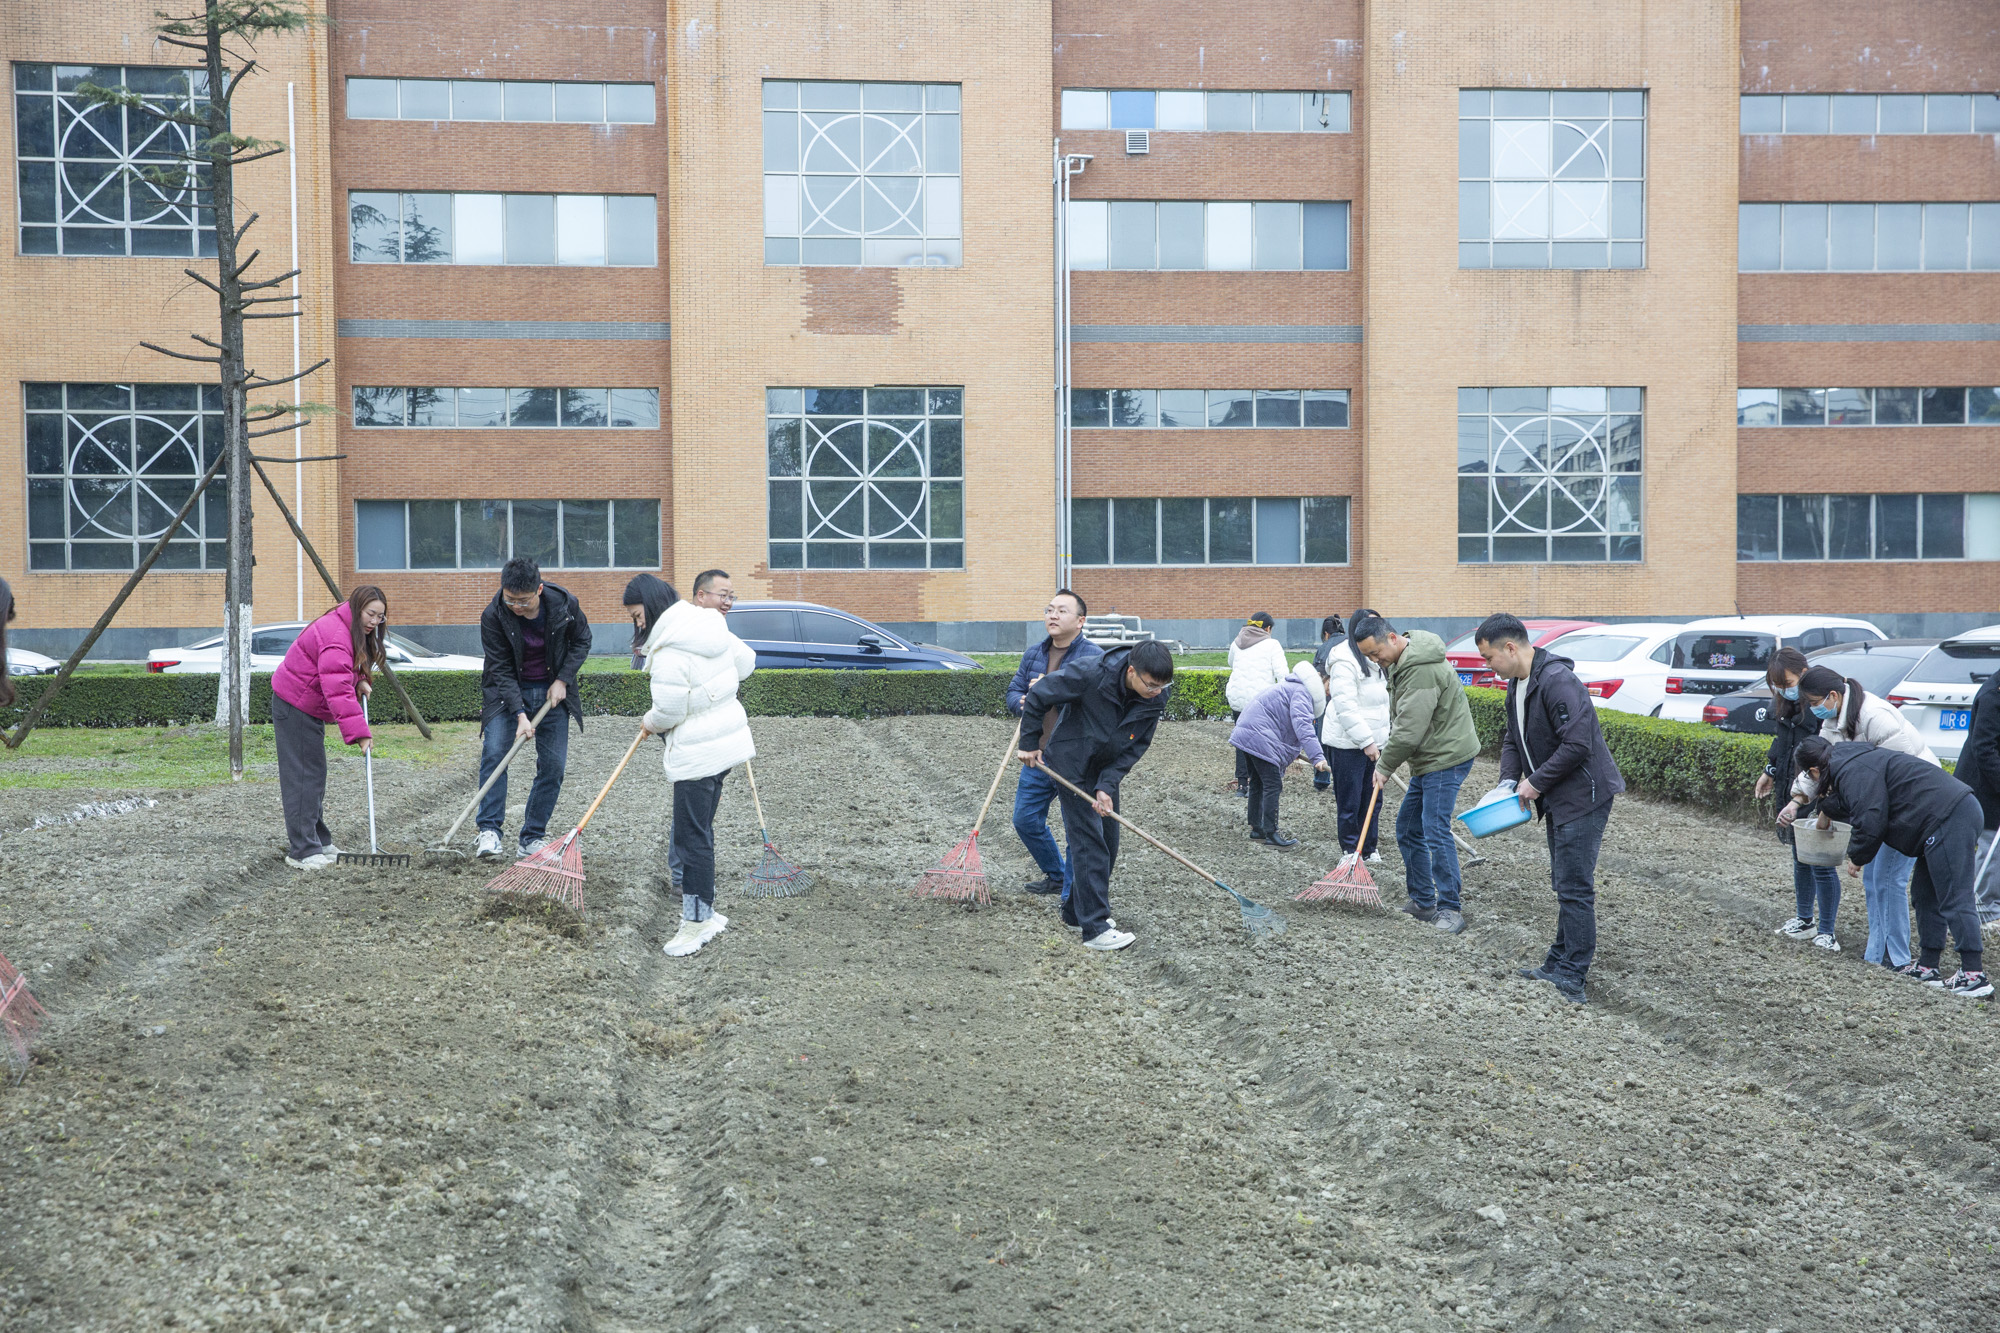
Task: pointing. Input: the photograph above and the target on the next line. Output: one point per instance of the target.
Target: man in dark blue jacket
(1111, 706)
(1552, 754)
(1064, 618)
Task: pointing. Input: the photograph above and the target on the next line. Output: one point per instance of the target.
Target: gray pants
(301, 778)
(1986, 890)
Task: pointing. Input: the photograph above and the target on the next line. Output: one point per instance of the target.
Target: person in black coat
(1899, 800)
(1979, 768)
(1811, 885)
(1111, 705)
(1552, 754)
(535, 638)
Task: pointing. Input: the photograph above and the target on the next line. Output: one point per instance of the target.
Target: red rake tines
(20, 1017)
(556, 871)
(959, 877)
(1348, 882)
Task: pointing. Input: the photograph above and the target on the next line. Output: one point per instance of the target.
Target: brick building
(915, 308)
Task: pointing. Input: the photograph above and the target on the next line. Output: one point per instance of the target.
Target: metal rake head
(20, 1017)
(1258, 919)
(775, 877)
(959, 877)
(375, 859)
(555, 872)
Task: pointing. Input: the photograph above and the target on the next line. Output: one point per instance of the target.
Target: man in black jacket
(1111, 706)
(1978, 767)
(1552, 754)
(535, 637)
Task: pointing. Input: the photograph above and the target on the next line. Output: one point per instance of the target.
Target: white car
(1722, 654)
(269, 643)
(1623, 667)
(1936, 696)
(21, 662)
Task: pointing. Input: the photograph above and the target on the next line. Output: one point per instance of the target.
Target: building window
(1868, 527)
(567, 229)
(1549, 475)
(1176, 409)
(1551, 179)
(1194, 109)
(862, 173)
(109, 465)
(866, 478)
(1868, 407)
(1193, 234)
(486, 409)
(1872, 113)
(84, 169)
(1863, 238)
(485, 534)
(498, 99)
(1236, 530)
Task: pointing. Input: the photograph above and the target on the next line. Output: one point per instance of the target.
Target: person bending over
(1063, 617)
(535, 638)
(1280, 725)
(325, 676)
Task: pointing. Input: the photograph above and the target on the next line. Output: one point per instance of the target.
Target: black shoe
(1569, 990)
(1279, 838)
(1047, 884)
(1258, 835)
(1533, 973)
(1421, 913)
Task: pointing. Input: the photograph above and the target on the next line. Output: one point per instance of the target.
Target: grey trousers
(1986, 890)
(301, 778)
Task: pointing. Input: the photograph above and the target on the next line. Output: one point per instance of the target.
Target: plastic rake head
(959, 877)
(1348, 882)
(20, 1017)
(775, 877)
(555, 872)
(1258, 919)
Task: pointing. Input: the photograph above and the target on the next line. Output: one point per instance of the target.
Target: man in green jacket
(1430, 727)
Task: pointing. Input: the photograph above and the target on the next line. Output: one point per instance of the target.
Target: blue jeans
(1817, 885)
(1423, 835)
(1031, 821)
(1886, 882)
(551, 754)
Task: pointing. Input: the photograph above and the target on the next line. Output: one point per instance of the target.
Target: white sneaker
(1374, 858)
(488, 845)
(715, 925)
(1826, 942)
(1797, 928)
(317, 861)
(330, 850)
(693, 934)
(533, 845)
(1111, 940)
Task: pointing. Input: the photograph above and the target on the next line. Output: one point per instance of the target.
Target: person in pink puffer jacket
(326, 674)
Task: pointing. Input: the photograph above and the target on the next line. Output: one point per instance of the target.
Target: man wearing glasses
(535, 637)
(1063, 617)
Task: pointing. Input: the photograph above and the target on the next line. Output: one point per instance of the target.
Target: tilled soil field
(364, 1100)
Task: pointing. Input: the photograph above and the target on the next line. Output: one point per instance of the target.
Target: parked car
(1937, 695)
(806, 634)
(269, 643)
(1879, 665)
(1622, 667)
(1463, 653)
(1723, 654)
(21, 662)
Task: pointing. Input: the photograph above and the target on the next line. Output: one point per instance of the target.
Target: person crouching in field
(1896, 800)
(327, 672)
(696, 666)
(1278, 727)
(1111, 705)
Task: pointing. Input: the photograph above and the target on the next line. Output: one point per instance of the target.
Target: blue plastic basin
(1497, 813)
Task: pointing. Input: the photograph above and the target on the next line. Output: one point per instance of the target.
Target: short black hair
(1371, 627)
(706, 577)
(1081, 609)
(1501, 627)
(1330, 627)
(521, 574)
(1262, 618)
(1152, 660)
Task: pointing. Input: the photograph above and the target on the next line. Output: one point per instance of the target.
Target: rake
(374, 856)
(1469, 854)
(960, 877)
(20, 1017)
(1348, 882)
(1258, 919)
(556, 871)
(534, 725)
(773, 876)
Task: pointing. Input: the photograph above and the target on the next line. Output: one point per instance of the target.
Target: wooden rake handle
(630, 750)
(1141, 832)
(998, 773)
(494, 776)
(1374, 800)
(750, 772)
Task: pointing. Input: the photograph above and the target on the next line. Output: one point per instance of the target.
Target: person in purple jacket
(1278, 727)
(326, 674)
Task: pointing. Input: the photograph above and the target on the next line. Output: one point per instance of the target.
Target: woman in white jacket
(1256, 663)
(696, 665)
(1356, 725)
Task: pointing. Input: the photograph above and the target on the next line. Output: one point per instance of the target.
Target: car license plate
(1954, 719)
(1465, 677)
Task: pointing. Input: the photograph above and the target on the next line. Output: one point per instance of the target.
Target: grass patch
(110, 758)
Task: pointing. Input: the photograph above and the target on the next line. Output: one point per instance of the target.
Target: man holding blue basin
(1553, 758)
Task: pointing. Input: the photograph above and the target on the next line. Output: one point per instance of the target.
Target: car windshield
(1878, 673)
(413, 649)
(1462, 645)
(1594, 647)
(1957, 664)
(1729, 651)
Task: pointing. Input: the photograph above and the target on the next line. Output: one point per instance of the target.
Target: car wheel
(1656, 710)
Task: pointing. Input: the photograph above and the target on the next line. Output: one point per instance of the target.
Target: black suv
(1879, 664)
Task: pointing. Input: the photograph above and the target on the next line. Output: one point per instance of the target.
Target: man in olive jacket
(1431, 727)
(535, 638)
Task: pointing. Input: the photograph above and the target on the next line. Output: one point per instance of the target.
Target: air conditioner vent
(1138, 142)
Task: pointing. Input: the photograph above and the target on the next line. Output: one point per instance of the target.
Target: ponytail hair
(369, 644)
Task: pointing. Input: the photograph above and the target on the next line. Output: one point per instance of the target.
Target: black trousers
(1242, 761)
(695, 800)
(301, 741)
(1093, 850)
(1353, 789)
(1941, 887)
(1573, 849)
(1267, 780)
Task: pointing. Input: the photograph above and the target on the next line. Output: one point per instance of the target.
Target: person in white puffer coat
(1356, 724)
(1256, 663)
(696, 665)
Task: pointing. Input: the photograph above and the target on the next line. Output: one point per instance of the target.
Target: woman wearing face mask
(1810, 884)
(1896, 801)
(1848, 713)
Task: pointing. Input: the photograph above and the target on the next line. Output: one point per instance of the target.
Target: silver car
(1936, 697)
(269, 643)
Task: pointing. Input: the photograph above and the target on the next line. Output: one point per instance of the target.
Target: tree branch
(181, 356)
(277, 430)
(254, 382)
